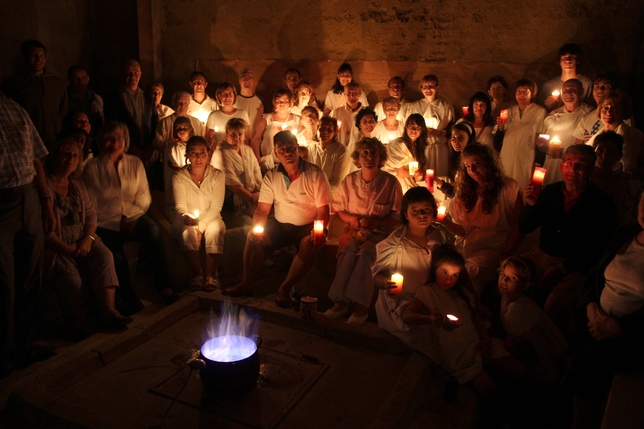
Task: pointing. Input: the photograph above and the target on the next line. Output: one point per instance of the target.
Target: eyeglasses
(354, 93)
(284, 149)
(195, 154)
(574, 165)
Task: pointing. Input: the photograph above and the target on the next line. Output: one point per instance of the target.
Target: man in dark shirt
(577, 220)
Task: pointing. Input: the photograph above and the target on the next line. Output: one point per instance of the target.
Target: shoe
(357, 320)
(168, 296)
(236, 291)
(211, 284)
(334, 314)
(196, 283)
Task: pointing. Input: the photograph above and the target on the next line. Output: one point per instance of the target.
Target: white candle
(216, 129)
(554, 147)
(397, 280)
(413, 167)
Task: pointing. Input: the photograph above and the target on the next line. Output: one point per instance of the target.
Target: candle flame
(196, 214)
(452, 317)
(294, 131)
(258, 229)
(555, 93)
(216, 129)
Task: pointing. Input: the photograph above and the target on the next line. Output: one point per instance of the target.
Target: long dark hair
(418, 148)
(337, 86)
(467, 189)
(487, 117)
(455, 157)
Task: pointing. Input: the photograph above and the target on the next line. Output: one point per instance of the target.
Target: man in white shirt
(346, 115)
(300, 194)
(201, 106)
(248, 100)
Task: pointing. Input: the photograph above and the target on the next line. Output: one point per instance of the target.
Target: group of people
(435, 206)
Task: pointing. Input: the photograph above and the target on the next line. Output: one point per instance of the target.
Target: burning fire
(232, 336)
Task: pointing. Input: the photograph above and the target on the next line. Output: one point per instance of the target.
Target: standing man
(22, 185)
(127, 104)
(569, 57)
(346, 115)
(80, 97)
(300, 193)
(291, 78)
(395, 89)
(201, 106)
(42, 94)
(248, 100)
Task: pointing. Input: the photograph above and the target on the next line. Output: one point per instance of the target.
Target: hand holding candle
(397, 280)
(554, 148)
(258, 233)
(537, 180)
(413, 167)
(451, 322)
(429, 179)
(504, 116)
(555, 95)
(318, 233)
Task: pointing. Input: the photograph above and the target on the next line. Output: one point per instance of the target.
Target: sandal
(211, 284)
(196, 283)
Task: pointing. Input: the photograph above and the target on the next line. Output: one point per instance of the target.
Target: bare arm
(417, 314)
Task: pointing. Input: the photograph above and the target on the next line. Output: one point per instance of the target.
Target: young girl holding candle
(463, 134)
(407, 252)
(406, 149)
(175, 159)
(335, 97)
(226, 96)
(532, 335)
(462, 346)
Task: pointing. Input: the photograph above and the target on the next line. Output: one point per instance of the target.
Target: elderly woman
(614, 317)
(407, 251)
(226, 95)
(335, 97)
(280, 119)
(524, 122)
(390, 128)
(368, 201)
(613, 108)
(75, 256)
(463, 135)
(119, 189)
(479, 114)
(484, 214)
(243, 177)
(199, 197)
(303, 95)
(408, 148)
(329, 154)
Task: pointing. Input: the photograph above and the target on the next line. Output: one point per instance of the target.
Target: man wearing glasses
(299, 193)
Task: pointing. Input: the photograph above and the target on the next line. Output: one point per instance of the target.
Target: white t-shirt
(623, 293)
(217, 121)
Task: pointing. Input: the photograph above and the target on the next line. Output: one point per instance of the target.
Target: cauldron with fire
(229, 360)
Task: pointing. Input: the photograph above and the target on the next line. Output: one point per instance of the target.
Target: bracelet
(90, 236)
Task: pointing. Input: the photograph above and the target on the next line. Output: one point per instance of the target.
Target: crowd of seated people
(307, 159)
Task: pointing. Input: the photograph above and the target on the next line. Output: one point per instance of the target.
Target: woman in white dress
(439, 116)
(484, 214)
(463, 134)
(408, 148)
(280, 119)
(479, 114)
(226, 96)
(524, 122)
(335, 97)
(368, 201)
(243, 177)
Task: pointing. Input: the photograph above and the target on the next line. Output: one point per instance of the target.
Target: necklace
(194, 178)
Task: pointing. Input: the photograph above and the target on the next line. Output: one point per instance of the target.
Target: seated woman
(484, 214)
(497, 90)
(280, 119)
(118, 186)
(407, 251)
(366, 121)
(479, 114)
(199, 196)
(410, 147)
(226, 96)
(329, 154)
(243, 177)
(335, 97)
(76, 258)
(368, 201)
(615, 317)
(462, 136)
(390, 128)
(524, 122)
(463, 347)
(613, 108)
(532, 336)
(175, 159)
(303, 96)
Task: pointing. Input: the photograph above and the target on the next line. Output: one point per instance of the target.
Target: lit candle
(555, 94)
(196, 215)
(283, 127)
(294, 131)
(554, 147)
(537, 180)
(413, 167)
(397, 280)
(504, 116)
(466, 110)
(216, 129)
(452, 318)
(429, 179)
(543, 139)
(339, 125)
(450, 322)
(258, 232)
(441, 213)
(318, 233)
(391, 137)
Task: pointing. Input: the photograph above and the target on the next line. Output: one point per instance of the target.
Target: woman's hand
(353, 221)
(527, 194)
(602, 326)
(189, 220)
(418, 176)
(499, 123)
(83, 246)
